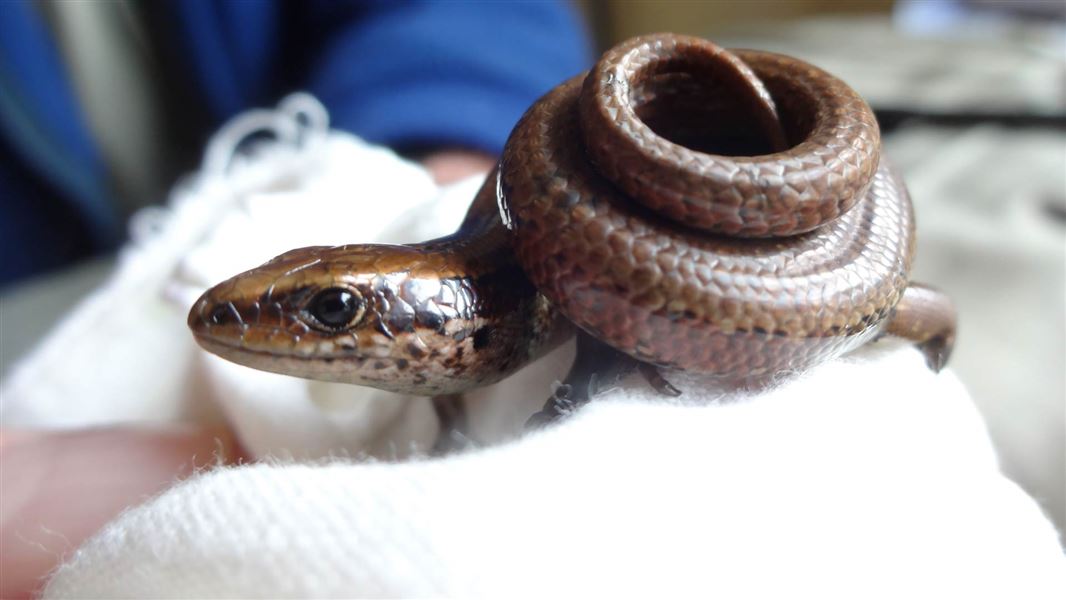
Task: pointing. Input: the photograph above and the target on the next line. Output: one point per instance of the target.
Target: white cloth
(869, 476)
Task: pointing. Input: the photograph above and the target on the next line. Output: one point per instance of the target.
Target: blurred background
(971, 96)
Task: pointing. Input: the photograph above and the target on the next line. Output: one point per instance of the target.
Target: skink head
(359, 314)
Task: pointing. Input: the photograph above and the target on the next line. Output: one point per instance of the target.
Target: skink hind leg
(925, 316)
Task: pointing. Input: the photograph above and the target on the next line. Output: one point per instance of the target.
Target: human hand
(448, 166)
(60, 487)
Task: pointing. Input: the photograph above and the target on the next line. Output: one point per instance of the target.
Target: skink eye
(335, 308)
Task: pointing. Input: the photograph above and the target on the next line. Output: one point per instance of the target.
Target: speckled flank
(624, 215)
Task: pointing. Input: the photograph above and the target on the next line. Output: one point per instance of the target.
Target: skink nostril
(221, 314)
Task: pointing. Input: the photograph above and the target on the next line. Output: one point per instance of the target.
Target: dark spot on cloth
(380, 364)
(415, 350)
(401, 363)
(482, 337)
(1055, 209)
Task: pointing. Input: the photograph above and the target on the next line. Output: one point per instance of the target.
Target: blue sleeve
(436, 74)
(403, 74)
(410, 74)
(55, 200)
(42, 127)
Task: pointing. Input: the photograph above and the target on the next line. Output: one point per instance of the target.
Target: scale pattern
(659, 287)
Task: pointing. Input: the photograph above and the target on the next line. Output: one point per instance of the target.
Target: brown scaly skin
(691, 208)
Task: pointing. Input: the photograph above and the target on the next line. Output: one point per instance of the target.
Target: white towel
(867, 477)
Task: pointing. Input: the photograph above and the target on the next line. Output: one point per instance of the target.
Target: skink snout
(209, 316)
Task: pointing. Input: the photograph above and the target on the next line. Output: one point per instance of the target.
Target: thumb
(58, 488)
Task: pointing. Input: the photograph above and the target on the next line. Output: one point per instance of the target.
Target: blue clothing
(406, 74)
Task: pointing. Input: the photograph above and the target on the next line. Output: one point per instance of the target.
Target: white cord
(297, 118)
(298, 123)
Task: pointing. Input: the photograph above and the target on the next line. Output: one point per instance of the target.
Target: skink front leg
(597, 368)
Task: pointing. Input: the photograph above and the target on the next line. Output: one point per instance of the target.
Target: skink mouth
(380, 372)
(232, 350)
(215, 341)
(218, 345)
